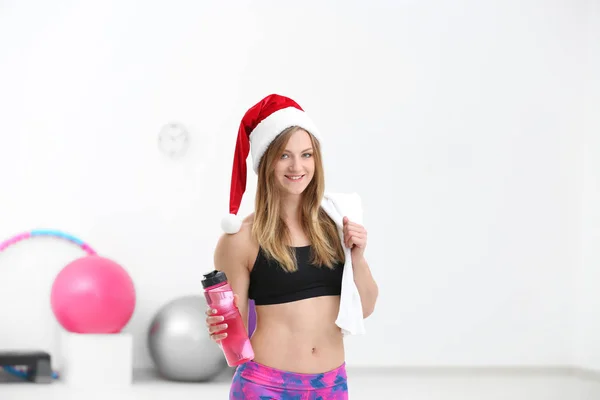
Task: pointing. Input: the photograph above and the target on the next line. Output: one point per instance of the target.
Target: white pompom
(231, 224)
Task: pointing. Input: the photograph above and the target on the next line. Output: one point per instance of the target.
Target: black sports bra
(271, 284)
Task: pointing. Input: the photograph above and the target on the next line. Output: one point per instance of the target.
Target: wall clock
(173, 140)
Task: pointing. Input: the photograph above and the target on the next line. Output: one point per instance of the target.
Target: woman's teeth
(294, 177)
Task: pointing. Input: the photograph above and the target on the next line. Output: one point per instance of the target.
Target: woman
(288, 257)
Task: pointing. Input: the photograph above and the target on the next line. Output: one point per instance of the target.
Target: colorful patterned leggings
(253, 381)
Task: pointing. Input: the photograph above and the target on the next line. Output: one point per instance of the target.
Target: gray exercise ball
(179, 343)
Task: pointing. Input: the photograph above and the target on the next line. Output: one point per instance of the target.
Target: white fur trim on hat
(268, 129)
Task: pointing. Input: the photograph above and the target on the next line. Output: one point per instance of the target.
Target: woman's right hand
(215, 324)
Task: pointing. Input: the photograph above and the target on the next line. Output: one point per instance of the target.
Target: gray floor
(513, 384)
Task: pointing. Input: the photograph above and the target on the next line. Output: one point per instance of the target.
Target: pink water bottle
(236, 346)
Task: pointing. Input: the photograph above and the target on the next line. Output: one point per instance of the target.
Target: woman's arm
(355, 238)
(231, 257)
(367, 287)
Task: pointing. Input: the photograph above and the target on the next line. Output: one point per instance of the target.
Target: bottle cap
(213, 278)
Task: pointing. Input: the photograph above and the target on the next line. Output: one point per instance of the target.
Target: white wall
(587, 348)
(458, 122)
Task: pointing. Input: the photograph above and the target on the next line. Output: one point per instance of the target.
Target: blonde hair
(268, 227)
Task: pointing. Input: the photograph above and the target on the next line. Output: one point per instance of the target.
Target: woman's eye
(305, 155)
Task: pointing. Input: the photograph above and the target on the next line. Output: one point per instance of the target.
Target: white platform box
(90, 360)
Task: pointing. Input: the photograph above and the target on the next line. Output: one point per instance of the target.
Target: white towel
(350, 316)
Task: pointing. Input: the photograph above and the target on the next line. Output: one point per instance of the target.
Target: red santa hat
(261, 124)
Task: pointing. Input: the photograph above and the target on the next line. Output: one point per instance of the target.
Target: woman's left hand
(355, 237)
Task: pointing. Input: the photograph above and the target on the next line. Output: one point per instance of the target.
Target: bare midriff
(299, 336)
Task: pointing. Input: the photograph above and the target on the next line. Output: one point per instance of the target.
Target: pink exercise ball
(93, 295)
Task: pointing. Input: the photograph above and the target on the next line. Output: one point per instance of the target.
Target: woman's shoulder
(237, 247)
(242, 237)
(247, 221)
